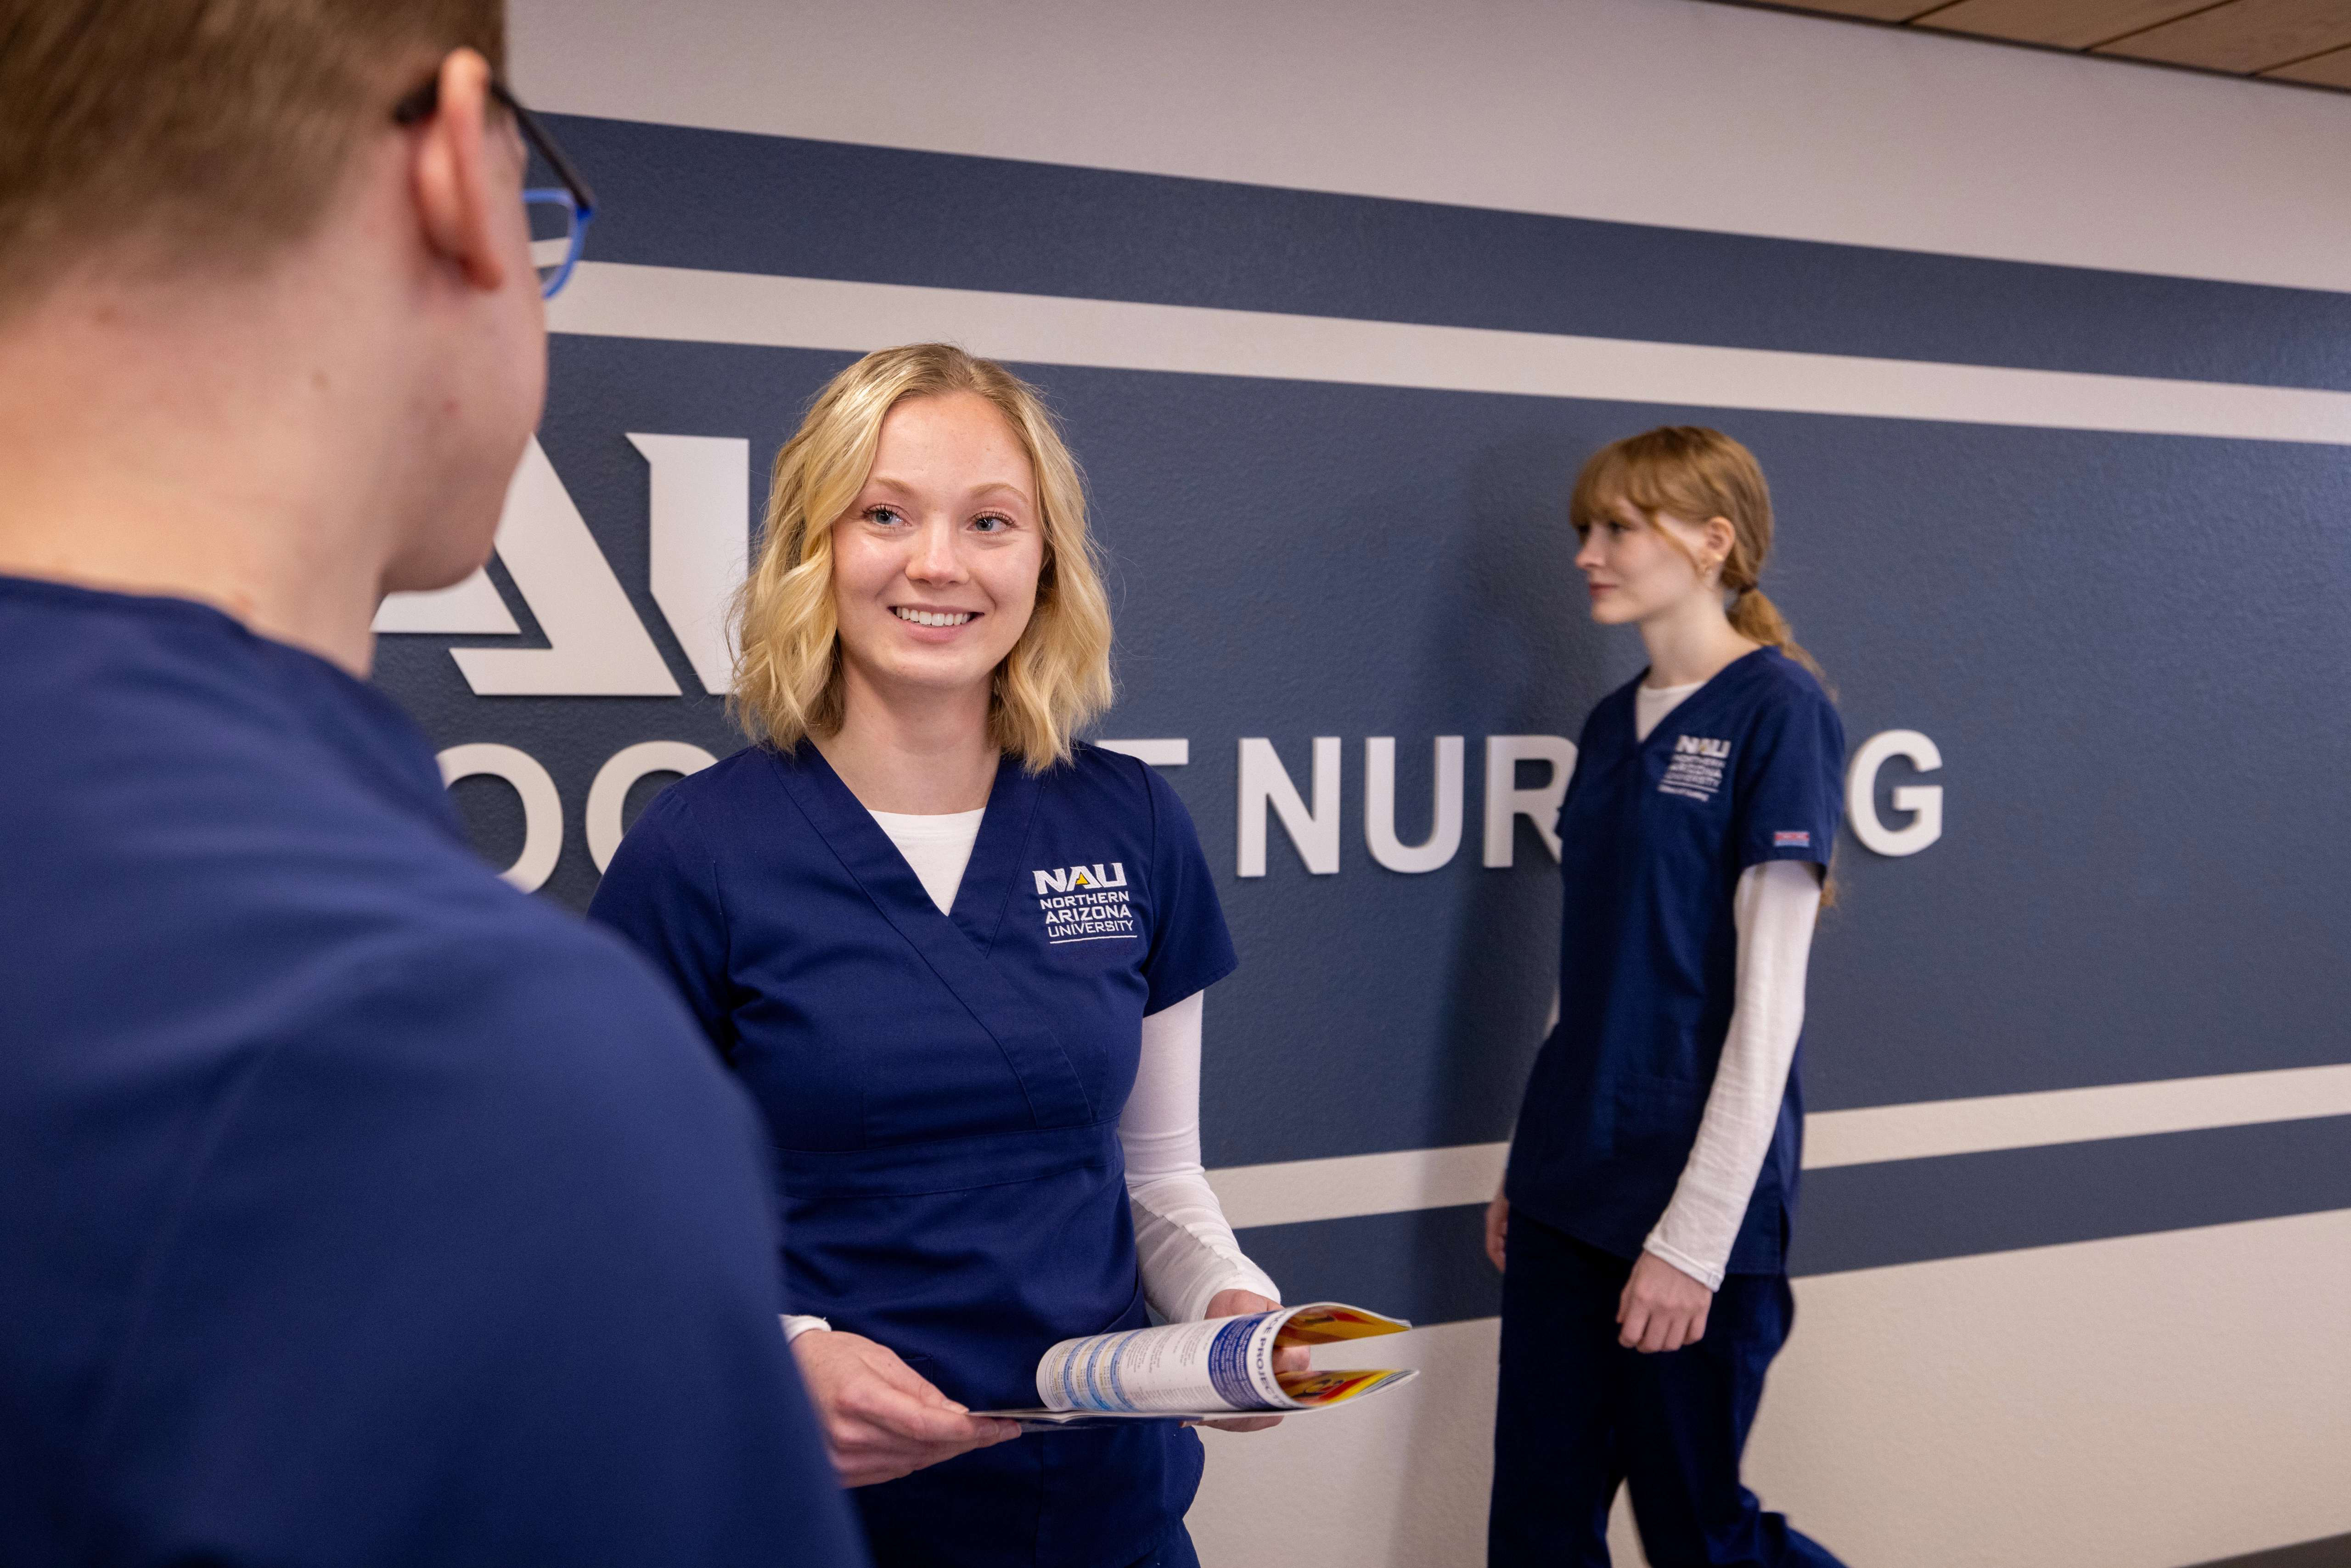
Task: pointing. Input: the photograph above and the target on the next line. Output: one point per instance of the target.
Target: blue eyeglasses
(558, 213)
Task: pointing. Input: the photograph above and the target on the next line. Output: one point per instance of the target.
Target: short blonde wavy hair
(787, 678)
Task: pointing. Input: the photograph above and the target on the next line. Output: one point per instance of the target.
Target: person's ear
(455, 174)
(1719, 537)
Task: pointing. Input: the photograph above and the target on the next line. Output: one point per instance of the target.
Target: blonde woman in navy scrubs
(958, 960)
(1642, 1226)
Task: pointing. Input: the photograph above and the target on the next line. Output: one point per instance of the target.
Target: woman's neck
(917, 752)
(1691, 641)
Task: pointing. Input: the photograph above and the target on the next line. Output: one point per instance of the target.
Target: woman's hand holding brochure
(1285, 1358)
(1205, 1370)
(882, 1419)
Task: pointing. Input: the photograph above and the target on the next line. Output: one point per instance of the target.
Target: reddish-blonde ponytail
(1754, 617)
(1690, 471)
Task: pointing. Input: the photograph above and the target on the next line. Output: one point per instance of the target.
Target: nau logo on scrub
(1696, 771)
(1080, 876)
(1085, 903)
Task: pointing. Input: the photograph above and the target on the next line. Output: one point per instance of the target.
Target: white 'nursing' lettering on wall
(699, 506)
(1265, 788)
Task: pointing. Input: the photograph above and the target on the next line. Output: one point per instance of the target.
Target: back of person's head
(788, 683)
(306, 219)
(161, 135)
(1694, 473)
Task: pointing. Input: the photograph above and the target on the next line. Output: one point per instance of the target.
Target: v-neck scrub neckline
(937, 846)
(1651, 704)
(861, 845)
(942, 825)
(1730, 677)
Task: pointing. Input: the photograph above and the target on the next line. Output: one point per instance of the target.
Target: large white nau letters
(471, 608)
(596, 647)
(701, 543)
(1379, 807)
(1923, 801)
(1505, 801)
(700, 546)
(1265, 782)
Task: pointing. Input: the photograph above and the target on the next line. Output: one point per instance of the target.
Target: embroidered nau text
(1085, 902)
(1695, 770)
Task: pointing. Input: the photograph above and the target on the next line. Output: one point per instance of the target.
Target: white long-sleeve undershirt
(1774, 907)
(1183, 1247)
(1188, 1251)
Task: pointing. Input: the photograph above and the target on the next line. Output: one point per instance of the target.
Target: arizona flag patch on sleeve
(1792, 841)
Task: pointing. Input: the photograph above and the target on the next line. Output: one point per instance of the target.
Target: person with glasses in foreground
(354, 1208)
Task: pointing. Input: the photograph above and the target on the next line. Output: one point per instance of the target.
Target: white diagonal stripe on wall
(1293, 1191)
(679, 304)
(2074, 1116)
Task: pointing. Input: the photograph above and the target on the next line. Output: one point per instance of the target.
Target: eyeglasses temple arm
(545, 146)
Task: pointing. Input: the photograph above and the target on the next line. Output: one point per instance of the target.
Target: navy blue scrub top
(355, 1209)
(944, 1093)
(1653, 836)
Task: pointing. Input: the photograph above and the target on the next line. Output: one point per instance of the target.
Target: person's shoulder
(1618, 704)
(115, 674)
(1099, 770)
(1117, 783)
(190, 826)
(522, 1009)
(750, 767)
(1785, 700)
(118, 616)
(543, 962)
(748, 774)
(1124, 795)
(1780, 685)
(555, 1196)
(746, 785)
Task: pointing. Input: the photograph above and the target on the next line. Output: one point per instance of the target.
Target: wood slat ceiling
(2306, 41)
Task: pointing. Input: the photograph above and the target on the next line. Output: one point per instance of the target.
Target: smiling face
(1634, 571)
(935, 564)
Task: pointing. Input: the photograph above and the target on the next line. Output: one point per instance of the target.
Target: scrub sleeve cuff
(1246, 1276)
(1710, 1278)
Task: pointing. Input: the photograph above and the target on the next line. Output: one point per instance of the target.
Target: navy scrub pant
(1579, 1414)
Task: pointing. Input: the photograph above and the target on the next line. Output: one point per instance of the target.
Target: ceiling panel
(1872, 10)
(2243, 34)
(2067, 24)
(2304, 42)
(2330, 70)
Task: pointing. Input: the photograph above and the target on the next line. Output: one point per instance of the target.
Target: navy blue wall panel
(733, 202)
(2130, 649)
